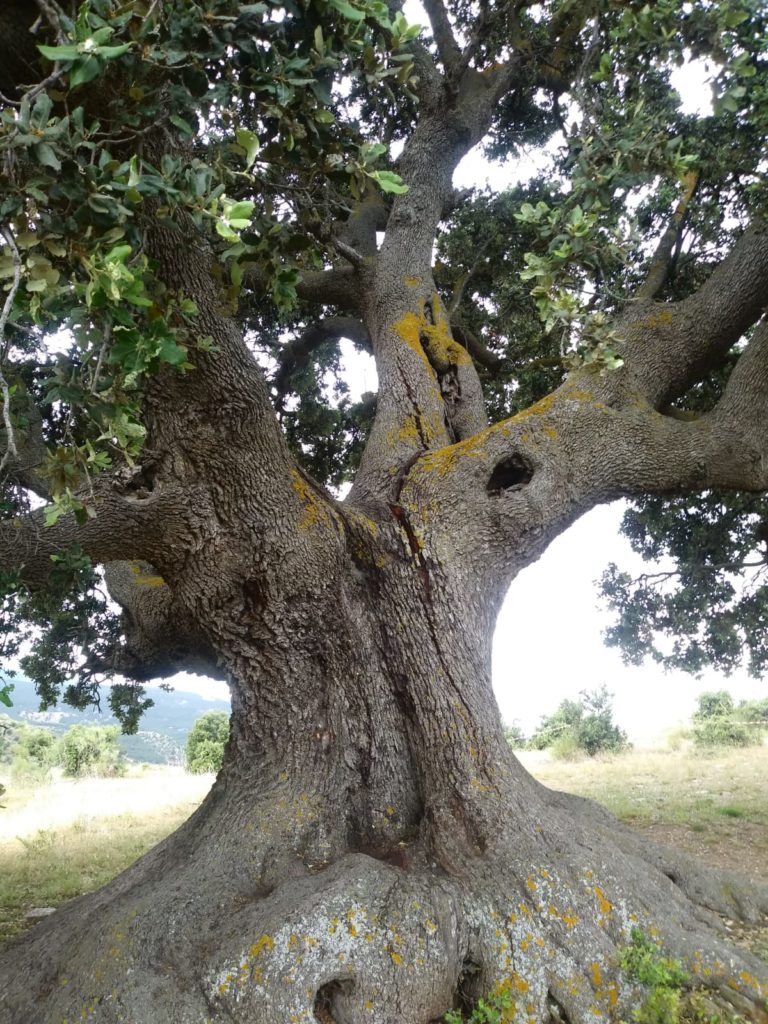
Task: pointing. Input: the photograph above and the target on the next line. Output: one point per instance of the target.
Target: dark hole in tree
(467, 993)
(326, 994)
(510, 474)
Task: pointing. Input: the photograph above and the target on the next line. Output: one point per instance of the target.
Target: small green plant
(487, 1011)
(643, 961)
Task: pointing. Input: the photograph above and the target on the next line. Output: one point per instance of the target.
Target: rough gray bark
(371, 847)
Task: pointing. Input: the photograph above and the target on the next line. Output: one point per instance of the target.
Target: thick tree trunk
(371, 850)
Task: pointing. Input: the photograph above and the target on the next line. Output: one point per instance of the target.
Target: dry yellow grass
(714, 805)
(673, 787)
(62, 840)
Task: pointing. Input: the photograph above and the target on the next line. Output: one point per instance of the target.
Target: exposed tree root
(542, 916)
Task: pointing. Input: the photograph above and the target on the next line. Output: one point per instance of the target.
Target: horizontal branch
(122, 528)
(337, 286)
(522, 481)
(160, 637)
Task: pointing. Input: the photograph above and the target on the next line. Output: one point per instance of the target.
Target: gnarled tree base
(229, 923)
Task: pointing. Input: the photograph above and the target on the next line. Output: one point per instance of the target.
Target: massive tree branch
(447, 47)
(522, 481)
(669, 347)
(429, 392)
(123, 528)
(160, 637)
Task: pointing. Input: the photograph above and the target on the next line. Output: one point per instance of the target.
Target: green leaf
(734, 18)
(241, 211)
(110, 52)
(184, 126)
(69, 52)
(46, 156)
(41, 110)
(349, 12)
(84, 70)
(5, 692)
(250, 142)
(172, 353)
(388, 181)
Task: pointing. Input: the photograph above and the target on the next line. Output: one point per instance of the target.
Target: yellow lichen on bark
(431, 341)
(314, 509)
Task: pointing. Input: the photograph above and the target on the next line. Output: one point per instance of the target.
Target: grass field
(68, 838)
(62, 840)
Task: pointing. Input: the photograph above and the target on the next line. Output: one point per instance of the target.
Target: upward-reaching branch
(447, 47)
(664, 255)
(671, 346)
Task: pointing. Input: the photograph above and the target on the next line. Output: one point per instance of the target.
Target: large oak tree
(204, 195)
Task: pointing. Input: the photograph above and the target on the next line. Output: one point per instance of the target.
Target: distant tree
(586, 724)
(206, 742)
(755, 711)
(91, 750)
(9, 734)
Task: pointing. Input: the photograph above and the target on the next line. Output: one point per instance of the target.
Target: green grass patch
(55, 865)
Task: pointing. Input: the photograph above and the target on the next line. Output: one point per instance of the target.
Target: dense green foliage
(258, 125)
(585, 725)
(644, 962)
(206, 742)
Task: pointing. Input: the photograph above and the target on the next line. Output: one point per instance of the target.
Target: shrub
(91, 750)
(206, 742)
(724, 732)
(713, 704)
(586, 724)
(34, 753)
(676, 738)
(567, 747)
(717, 722)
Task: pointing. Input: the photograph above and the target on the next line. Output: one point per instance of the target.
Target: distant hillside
(164, 728)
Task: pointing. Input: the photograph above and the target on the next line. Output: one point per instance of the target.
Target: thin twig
(11, 449)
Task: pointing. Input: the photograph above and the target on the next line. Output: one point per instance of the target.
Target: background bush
(515, 736)
(718, 722)
(206, 742)
(33, 754)
(581, 726)
(91, 750)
